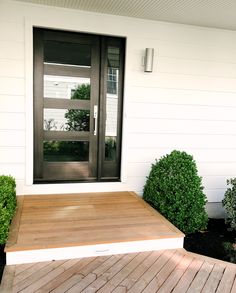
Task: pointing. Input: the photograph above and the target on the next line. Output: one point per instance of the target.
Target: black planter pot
(2, 260)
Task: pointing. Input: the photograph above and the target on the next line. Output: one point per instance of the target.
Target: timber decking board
(54, 221)
(164, 271)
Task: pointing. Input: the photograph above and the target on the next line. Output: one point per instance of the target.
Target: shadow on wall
(215, 210)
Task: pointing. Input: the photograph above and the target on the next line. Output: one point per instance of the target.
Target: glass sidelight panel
(113, 65)
(66, 151)
(66, 120)
(113, 75)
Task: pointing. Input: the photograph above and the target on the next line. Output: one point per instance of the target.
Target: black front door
(77, 106)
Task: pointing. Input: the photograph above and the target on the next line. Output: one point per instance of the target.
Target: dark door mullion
(94, 98)
(102, 106)
(120, 102)
(67, 135)
(63, 70)
(38, 103)
(53, 103)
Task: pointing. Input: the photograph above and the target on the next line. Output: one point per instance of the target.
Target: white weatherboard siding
(187, 103)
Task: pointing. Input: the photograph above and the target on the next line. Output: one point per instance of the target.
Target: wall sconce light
(148, 60)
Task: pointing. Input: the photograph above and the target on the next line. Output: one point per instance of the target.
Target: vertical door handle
(95, 116)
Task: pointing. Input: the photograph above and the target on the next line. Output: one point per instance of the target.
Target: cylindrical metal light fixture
(148, 63)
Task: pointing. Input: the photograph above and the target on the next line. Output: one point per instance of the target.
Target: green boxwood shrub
(229, 202)
(229, 251)
(7, 205)
(174, 188)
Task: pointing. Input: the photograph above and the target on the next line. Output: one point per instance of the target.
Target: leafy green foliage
(82, 92)
(174, 188)
(229, 202)
(229, 251)
(110, 148)
(65, 150)
(78, 120)
(7, 205)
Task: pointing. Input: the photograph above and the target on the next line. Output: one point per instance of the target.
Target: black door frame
(103, 170)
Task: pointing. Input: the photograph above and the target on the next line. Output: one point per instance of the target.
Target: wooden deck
(52, 227)
(175, 271)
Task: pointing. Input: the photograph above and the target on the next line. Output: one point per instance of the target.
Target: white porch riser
(39, 255)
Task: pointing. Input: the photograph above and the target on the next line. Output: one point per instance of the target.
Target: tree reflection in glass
(79, 120)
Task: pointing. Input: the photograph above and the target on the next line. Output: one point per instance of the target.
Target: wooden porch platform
(176, 271)
(53, 227)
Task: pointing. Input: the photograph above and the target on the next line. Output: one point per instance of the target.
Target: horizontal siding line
(227, 176)
(197, 161)
(179, 119)
(181, 104)
(189, 149)
(12, 112)
(182, 133)
(172, 42)
(158, 73)
(10, 77)
(170, 148)
(10, 146)
(22, 130)
(11, 59)
(203, 177)
(212, 60)
(6, 147)
(212, 189)
(139, 162)
(164, 119)
(10, 21)
(12, 95)
(198, 74)
(171, 89)
(222, 61)
(12, 41)
(180, 89)
(12, 163)
(216, 162)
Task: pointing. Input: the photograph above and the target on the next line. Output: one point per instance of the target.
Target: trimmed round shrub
(174, 188)
(229, 203)
(7, 205)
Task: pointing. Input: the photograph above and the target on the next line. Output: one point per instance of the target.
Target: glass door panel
(70, 68)
(66, 120)
(59, 52)
(66, 87)
(66, 151)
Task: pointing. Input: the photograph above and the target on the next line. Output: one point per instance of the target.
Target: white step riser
(39, 255)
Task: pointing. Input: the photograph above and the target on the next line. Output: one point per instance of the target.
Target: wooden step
(65, 226)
